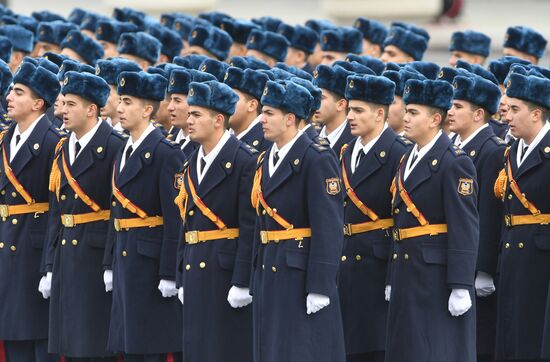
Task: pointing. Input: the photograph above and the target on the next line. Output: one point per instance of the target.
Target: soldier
(109, 71)
(475, 100)
(27, 150)
(245, 122)
(318, 26)
(79, 318)
(334, 105)
(170, 40)
(49, 36)
(209, 41)
(22, 41)
(142, 251)
(298, 244)
(337, 43)
(523, 315)
(374, 34)
(141, 48)
(179, 109)
(470, 46)
(525, 43)
(368, 164)
(436, 235)
(216, 240)
(302, 44)
(107, 34)
(267, 46)
(404, 45)
(239, 30)
(6, 80)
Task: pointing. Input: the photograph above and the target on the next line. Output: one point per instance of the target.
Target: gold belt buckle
(347, 229)
(396, 234)
(68, 221)
(4, 211)
(192, 237)
(263, 237)
(508, 220)
(117, 224)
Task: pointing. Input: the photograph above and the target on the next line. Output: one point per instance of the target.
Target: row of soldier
(161, 177)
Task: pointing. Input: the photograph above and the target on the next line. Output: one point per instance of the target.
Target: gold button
(263, 266)
(63, 242)
(406, 256)
(296, 162)
(521, 245)
(274, 210)
(434, 162)
(264, 212)
(255, 143)
(99, 149)
(3, 192)
(1, 245)
(345, 203)
(202, 265)
(274, 269)
(63, 197)
(547, 149)
(124, 253)
(36, 146)
(14, 221)
(510, 197)
(74, 242)
(394, 257)
(148, 155)
(191, 212)
(14, 194)
(75, 196)
(472, 153)
(113, 203)
(396, 211)
(187, 267)
(344, 258)
(228, 165)
(382, 154)
(358, 257)
(13, 248)
(507, 245)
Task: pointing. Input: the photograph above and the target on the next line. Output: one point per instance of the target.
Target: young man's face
(371, 49)
(42, 48)
(330, 57)
(179, 110)
(396, 114)
(109, 110)
(418, 122)
(519, 118)
(261, 56)
(58, 106)
(295, 58)
(519, 54)
(202, 123)
(329, 108)
(502, 106)
(109, 49)
(467, 57)
(460, 117)
(21, 102)
(73, 55)
(131, 112)
(363, 118)
(242, 110)
(75, 111)
(274, 123)
(163, 115)
(394, 54)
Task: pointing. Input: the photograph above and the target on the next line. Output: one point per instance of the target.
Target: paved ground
(489, 16)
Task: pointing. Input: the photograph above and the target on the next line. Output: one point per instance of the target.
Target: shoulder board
(457, 151)
(249, 148)
(121, 135)
(169, 143)
(498, 140)
(322, 141)
(58, 131)
(404, 141)
(318, 147)
(4, 127)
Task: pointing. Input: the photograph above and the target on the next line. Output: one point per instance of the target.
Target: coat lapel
(32, 146)
(222, 166)
(344, 138)
(428, 164)
(535, 157)
(375, 159)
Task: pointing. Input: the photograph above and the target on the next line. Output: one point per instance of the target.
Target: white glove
(168, 288)
(484, 285)
(387, 293)
(108, 280)
(316, 302)
(459, 302)
(45, 285)
(180, 294)
(239, 297)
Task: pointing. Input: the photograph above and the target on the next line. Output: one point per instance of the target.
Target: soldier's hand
(108, 280)
(239, 297)
(387, 293)
(180, 294)
(45, 285)
(316, 302)
(484, 284)
(459, 302)
(168, 288)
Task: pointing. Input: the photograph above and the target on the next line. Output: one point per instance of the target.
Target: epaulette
(497, 140)
(249, 148)
(123, 136)
(169, 143)
(322, 141)
(318, 147)
(457, 151)
(404, 141)
(58, 131)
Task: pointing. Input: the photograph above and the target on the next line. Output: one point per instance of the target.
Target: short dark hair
(46, 104)
(385, 108)
(225, 116)
(442, 112)
(249, 97)
(533, 106)
(486, 116)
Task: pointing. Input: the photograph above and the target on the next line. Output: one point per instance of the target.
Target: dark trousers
(178, 357)
(485, 358)
(29, 351)
(366, 357)
(95, 359)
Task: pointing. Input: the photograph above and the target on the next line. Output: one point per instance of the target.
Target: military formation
(211, 189)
